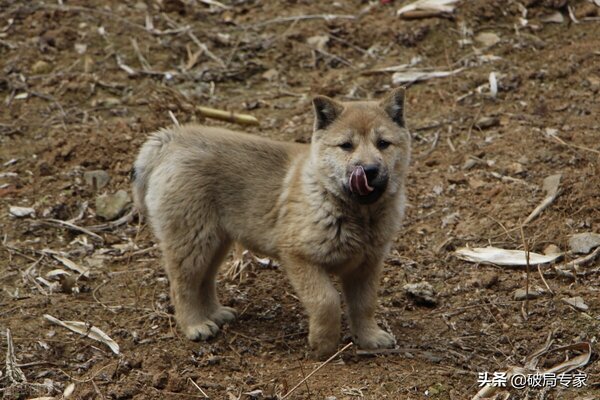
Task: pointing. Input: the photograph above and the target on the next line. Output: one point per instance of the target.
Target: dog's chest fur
(338, 236)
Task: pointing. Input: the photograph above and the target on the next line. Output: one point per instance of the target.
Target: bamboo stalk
(229, 116)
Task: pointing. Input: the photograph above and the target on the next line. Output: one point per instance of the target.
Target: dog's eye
(383, 144)
(346, 146)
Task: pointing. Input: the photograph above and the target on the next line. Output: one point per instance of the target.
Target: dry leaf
(86, 330)
(497, 256)
(69, 390)
(21, 212)
(72, 266)
(445, 6)
(420, 75)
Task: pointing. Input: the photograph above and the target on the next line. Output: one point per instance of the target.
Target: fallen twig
(113, 224)
(579, 262)
(426, 14)
(561, 141)
(70, 264)
(415, 75)
(13, 372)
(551, 187)
(205, 49)
(326, 17)
(317, 369)
(377, 352)
(133, 72)
(199, 388)
(215, 3)
(73, 227)
(229, 116)
(143, 62)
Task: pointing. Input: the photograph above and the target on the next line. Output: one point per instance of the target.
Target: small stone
(552, 249)
(21, 212)
(432, 358)
(457, 178)
(41, 67)
(469, 163)
(450, 219)
(214, 360)
(584, 242)
(271, 74)
(97, 179)
(521, 294)
(487, 38)
(577, 303)
(476, 183)
(487, 122)
(141, 6)
(594, 83)
(488, 280)
(551, 131)
(80, 48)
(516, 168)
(422, 293)
(319, 42)
(556, 18)
(111, 206)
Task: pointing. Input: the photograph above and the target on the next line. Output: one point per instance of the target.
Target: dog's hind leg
(192, 259)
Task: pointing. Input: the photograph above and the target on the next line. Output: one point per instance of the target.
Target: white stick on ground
(317, 369)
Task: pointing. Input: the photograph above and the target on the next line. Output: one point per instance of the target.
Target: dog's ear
(393, 104)
(326, 111)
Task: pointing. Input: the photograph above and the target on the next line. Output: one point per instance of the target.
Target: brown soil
(67, 107)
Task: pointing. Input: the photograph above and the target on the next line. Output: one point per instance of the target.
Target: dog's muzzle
(366, 183)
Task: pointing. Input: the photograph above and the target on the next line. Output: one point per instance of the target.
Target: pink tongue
(358, 182)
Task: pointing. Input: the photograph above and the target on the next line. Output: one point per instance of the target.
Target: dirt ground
(83, 82)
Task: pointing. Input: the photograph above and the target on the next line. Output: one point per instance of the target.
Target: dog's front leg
(360, 291)
(322, 303)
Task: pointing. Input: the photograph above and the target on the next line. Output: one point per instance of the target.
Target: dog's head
(361, 149)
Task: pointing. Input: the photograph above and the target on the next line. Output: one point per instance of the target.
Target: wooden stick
(229, 116)
(199, 388)
(422, 14)
(317, 369)
(73, 227)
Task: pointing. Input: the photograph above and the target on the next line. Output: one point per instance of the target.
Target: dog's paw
(201, 331)
(322, 352)
(375, 339)
(223, 315)
(323, 347)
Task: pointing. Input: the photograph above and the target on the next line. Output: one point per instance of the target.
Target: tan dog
(332, 207)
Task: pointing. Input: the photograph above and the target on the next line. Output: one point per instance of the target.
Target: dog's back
(238, 174)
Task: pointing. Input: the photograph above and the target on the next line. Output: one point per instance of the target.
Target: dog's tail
(147, 160)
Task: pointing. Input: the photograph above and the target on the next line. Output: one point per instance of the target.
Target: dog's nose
(371, 171)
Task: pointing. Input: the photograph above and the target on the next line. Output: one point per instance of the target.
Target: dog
(332, 207)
